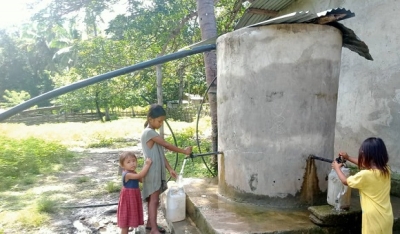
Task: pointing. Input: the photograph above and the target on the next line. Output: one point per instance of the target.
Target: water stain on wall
(310, 188)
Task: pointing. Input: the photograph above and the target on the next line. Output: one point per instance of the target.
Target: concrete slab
(212, 213)
(325, 215)
(186, 226)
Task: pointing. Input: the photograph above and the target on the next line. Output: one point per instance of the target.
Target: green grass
(46, 205)
(85, 134)
(112, 187)
(22, 159)
(32, 212)
(83, 179)
(32, 156)
(195, 167)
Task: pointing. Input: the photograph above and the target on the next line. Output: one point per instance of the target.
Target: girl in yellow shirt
(373, 183)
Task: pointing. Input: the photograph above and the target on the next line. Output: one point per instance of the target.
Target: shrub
(46, 205)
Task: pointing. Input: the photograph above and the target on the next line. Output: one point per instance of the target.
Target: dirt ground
(99, 167)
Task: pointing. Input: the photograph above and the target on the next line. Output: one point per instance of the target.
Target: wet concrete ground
(212, 213)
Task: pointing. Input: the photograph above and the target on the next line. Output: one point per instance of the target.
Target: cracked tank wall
(277, 97)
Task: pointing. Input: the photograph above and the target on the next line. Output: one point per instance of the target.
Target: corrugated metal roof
(308, 17)
(262, 10)
(337, 11)
(329, 17)
(265, 16)
(295, 17)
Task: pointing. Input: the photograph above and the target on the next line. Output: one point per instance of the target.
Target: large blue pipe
(105, 76)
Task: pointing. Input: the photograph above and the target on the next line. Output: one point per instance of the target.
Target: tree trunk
(98, 108)
(208, 27)
(160, 92)
(180, 73)
(107, 114)
(133, 112)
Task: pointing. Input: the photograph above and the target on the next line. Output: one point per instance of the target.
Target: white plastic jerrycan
(176, 204)
(339, 195)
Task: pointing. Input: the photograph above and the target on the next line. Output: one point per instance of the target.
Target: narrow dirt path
(84, 184)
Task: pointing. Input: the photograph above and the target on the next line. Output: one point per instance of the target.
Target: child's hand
(335, 165)
(344, 155)
(173, 173)
(148, 161)
(188, 150)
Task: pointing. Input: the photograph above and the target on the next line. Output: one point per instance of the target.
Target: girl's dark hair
(373, 151)
(155, 111)
(124, 155)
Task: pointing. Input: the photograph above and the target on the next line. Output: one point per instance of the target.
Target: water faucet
(338, 159)
(203, 154)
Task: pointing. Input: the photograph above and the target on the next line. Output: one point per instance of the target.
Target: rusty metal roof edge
(337, 11)
(304, 16)
(333, 11)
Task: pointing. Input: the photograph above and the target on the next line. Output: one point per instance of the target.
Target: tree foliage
(13, 98)
(67, 42)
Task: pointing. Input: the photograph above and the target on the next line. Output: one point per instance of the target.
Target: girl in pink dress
(130, 208)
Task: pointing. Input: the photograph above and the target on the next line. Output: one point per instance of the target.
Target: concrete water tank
(277, 94)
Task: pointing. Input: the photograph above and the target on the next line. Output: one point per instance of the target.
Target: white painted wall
(369, 91)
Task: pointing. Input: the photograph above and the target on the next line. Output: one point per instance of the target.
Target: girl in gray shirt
(154, 183)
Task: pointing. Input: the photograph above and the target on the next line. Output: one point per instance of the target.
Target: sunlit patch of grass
(71, 134)
(46, 205)
(112, 187)
(26, 209)
(28, 158)
(112, 143)
(32, 218)
(26, 218)
(102, 143)
(8, 219)
(50, 178)
(57, 167)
